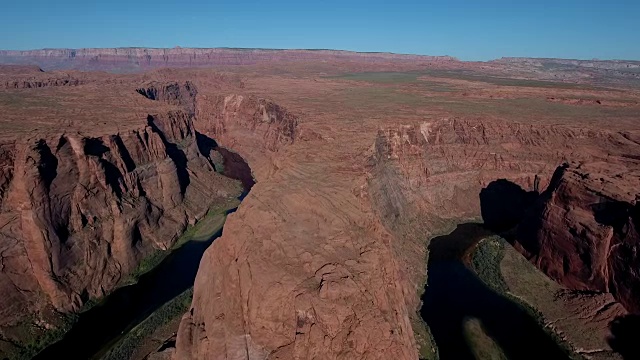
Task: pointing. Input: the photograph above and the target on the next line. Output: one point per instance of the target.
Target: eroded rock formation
(27, 77)
(584, 231)
(78, 213)
(337, 292)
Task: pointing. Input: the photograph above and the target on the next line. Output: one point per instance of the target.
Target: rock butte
(325, 258)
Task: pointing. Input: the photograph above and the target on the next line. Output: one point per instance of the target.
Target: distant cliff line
(142, 51)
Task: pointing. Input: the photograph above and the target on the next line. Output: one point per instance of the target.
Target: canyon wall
(584, 230)
(425, 178)
(79, 213)
(299, 271)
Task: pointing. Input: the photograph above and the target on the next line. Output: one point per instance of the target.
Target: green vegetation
(469, 75)
(486, 263)
(379, 98)
(22, 99)
(218, 161)
(427, 349)
(389, 78)
(173, 309)
(204, 229)
(522, 109)
(36, 338)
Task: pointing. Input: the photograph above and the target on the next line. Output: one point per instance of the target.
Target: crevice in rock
(124, 154)
(175, 154)
(48, 164)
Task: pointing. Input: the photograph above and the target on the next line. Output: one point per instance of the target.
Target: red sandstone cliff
(426, 178)
(290, 278)
(300, 273)
(584, 232)
(78, 213)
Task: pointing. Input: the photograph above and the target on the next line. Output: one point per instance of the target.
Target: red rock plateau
(325, 258)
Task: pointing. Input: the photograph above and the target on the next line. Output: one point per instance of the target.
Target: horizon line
(319, 49)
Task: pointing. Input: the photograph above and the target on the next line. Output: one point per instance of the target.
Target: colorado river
(99, 327)
(455, 294)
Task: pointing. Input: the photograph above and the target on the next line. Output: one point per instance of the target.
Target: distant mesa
(139, 58)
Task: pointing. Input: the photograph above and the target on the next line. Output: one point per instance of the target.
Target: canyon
(356, 162)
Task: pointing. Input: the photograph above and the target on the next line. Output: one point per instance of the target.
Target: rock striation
(28, 77)
(584, 230)
(425, 178)
(78, 213)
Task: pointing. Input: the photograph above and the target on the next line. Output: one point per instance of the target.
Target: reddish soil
(325, 258)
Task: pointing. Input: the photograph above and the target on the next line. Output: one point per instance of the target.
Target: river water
(454, 294)
(128, 306)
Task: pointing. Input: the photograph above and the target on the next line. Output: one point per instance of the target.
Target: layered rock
(78, 213)
(584, 231)
(146, 58)
(425, 178)
(29, 77)
(300, 271)
(174, 93)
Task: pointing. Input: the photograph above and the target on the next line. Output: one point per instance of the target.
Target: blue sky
(467, 29)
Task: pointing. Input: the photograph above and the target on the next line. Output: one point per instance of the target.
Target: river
(127, 306)
(454, 294)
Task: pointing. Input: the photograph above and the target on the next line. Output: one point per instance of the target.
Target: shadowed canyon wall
(298, 272)
(79, 213)
(261, 293)
(583, 231)
(426, 178)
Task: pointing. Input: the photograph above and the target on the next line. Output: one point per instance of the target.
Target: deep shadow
(625, 336)
(503, 204)
(126, 307)
(175, 154)
(234, 165)
(130, 305)
(205, 144)
(48, 165)
(113, 177)
(454, 293)
(124, 153)
(95, 147)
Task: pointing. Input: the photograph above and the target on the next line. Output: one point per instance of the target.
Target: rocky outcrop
(78, 213)
(299, 272)
(584, 231)
(39, 82)
(19, 70)
(426, 178)
(246, 121)
(146, 58)
(29, 77)
(173, 93)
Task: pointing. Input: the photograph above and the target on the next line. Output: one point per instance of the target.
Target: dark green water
(454, 293)
(126, 307)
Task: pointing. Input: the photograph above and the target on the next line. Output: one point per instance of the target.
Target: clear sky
(467, 29)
